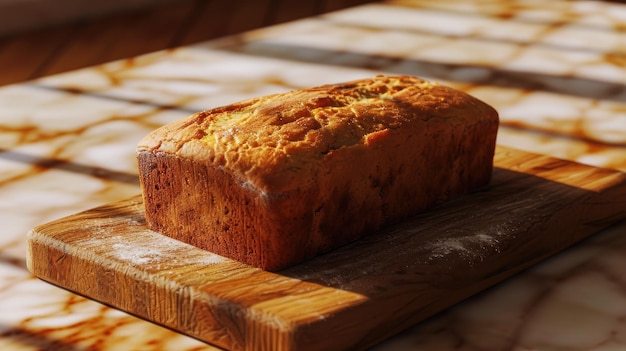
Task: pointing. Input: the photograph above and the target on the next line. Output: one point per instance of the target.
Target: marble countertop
(555, 71)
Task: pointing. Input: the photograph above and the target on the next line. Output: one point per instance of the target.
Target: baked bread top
(276, 143)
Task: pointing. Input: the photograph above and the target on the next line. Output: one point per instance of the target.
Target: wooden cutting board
(350, 298)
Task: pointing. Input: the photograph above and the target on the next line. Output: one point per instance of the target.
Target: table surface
(554, 70)
(66, 38)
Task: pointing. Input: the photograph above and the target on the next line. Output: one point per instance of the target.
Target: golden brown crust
(277, 141)
(303, 172)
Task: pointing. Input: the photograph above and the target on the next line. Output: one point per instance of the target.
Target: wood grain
(169, 24)
(350, 298)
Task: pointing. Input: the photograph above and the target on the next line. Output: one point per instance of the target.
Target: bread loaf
(276, 180)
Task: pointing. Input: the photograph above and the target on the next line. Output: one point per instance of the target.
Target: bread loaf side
(276, 180)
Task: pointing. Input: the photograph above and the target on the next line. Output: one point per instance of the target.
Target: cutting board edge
(287, 340)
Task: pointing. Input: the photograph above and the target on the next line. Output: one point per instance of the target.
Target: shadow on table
(12, 261)
(69, 166)
(466, 73)
(22, 337)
